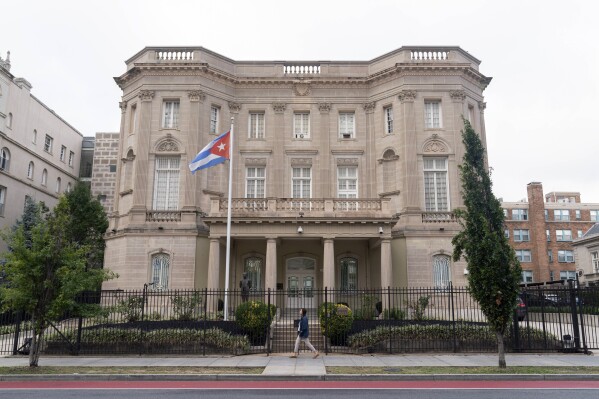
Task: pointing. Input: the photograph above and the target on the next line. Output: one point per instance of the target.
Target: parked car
(521, 309)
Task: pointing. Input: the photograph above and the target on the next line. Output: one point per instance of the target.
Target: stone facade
(344, 173)
(547, 231)
(106, 158)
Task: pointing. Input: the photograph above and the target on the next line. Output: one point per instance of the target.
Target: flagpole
(228, 256)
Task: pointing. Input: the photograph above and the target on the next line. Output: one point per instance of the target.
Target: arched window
(58, 182)
(30, 170)
(349, 273)
(441, 277)
(129, 170)
(9, 121)
(44, 177)
(253, 267)
(160, 269)
(68, 187)
(5, 159)
(34, 139)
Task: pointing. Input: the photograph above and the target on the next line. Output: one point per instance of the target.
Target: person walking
(302, 335)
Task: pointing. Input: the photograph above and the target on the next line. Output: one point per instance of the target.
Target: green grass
(462, 370)
(129, 370)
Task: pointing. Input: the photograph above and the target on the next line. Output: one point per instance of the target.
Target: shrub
(367, 310)
(186, 306)
(253, 317)
(394, 314)
(131, 308)
(419, 307)
(335, 320)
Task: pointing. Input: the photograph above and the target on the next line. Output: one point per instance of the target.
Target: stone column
(324, 138)
(196, 98)
(142, 167)
(328, 257)
(213, 282)
(270, 277)
(483, 131)
(386, 269)
(409, 148)
(274, 183)
(121, 170)
(370, 186)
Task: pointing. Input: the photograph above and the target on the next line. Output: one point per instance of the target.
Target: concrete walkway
(279, 365)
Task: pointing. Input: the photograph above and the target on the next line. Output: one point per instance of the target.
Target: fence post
(326, 318)
(389, 307)
(574, 314)
(452, 307)
(268, 331)
(15, 346)
(205, 324)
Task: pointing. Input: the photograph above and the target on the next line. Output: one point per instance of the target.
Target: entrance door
(300, 283)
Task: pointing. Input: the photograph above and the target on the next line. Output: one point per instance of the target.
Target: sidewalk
(278, 365)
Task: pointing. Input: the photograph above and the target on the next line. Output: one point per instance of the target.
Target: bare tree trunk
(36, 343)
(501, 350)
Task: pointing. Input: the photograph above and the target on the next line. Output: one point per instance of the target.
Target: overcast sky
(542, 115)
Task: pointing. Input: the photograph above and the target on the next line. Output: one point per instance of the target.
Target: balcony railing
(438, 217)
(429, 55)
(307, 205)
(163, 216)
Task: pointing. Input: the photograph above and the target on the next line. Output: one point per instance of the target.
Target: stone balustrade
(438, 217)
(300, 69)
(429, 55)
(163, 216)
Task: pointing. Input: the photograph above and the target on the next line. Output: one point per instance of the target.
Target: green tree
(493, 270)
(87, 224)
(46, 271)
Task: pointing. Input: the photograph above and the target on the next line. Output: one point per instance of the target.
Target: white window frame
(548, 235)
(166, 183)
(521, 235)
(63, 151)
(577, 214)
(347, 125)
(170, 114)
(565, 256)
(256, 125)
(437, 177)
(388, 115)
(526, 276)
(2, 199)
(160, 269)
(563, 235)
(580, 233)
(561, 214)
(433, 114)
(71, 158)
(524, 255)
(254, 266)
(48, 142)
(550, 256)
(506, 233)
(594, 260)
(58, 185)
(214, 119)
(594, 215)
(255, 182)
(5, 159)
(519, 214)
(301, 125)
(303, 176)
(30, 170)
(133, 118)
(44, 177)
(567, 275)
(348, 268)
(441, 271)
(347, 186)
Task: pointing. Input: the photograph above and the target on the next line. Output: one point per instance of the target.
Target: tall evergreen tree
(493, 270)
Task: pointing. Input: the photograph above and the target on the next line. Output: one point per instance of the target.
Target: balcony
(163, 216)
(438, 217)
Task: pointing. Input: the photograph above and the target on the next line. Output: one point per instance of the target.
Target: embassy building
(345, 173)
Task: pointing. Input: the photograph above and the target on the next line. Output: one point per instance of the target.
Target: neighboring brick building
(542, 229)
(587, 255)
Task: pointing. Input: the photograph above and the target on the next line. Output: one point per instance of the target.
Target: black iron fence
(394, 320)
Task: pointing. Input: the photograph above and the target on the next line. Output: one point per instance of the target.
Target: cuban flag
(217, 151)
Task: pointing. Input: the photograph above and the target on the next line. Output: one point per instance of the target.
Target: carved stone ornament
(407, 96)
(369, 107)
(435, 146)
(457, 95)
(168, 146)
(196, 95)
(302, 88)
(324, 107)
(482, 105)
(123, 106)
(279, 107)
(146, 95)
(234, 107)
(255, 161)
(347, 161)
(301, 161)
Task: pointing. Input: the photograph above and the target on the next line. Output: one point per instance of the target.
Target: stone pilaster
(409, 149)
(324, 139)
(277, 134)
(270, 277)
(386, 269)
(142, 167)
(370, 186)
(213, 282)
(328, 278)
(190, 182)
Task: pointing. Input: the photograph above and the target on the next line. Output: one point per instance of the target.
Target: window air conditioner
(299, 136)
(346, 135)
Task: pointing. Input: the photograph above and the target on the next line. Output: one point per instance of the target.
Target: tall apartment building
(542, 230)
(39, 151)
(344, 172)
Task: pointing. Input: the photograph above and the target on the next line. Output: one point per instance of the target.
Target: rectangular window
(521, 235)
(594, 216)
(71, 158)
(567, 275)
(301, 125)
(48, 144)
(347, 185)
(577, 214)
(505, 213)
(133, 119)
(524, 255)
(563, 235)
(214, 118)
(550, 255)
(506, 233)
(546, 215)
(561, 214)
(255, 178)
(595, 261)
(551, 278)
(256, 125)
(166, 184)
(432, 114)
(580, 233)
(471, 115)
(388, 111)
(519, 214)
(347, 125)
(301, 182)
(349, 274)
(548, 234)
(170, 115)
(436, 185)
(2, 199)
(526, 276)
(63, 152)
(565, 256)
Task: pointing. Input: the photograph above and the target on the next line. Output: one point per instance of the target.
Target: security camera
(300, 230)
(381, 230)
